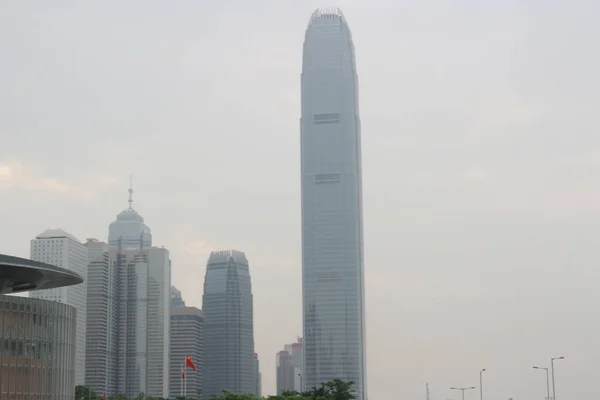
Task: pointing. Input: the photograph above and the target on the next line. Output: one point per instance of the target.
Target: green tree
(84, 393)
(120, 396)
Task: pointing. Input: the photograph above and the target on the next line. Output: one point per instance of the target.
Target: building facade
(38, 349)
(332, 221)
(143, 321)
(290, 367)
(227, 305)
(257, 376)
(101, 339)
(130, 311)
(187, 339)
(57, 247)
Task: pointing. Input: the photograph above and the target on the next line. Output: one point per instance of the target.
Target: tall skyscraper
(227, 305)
(144, 321)
(102, 329)
(332, 227)
(187, 339)
(129, 230)
(130, 311)
(57, 247)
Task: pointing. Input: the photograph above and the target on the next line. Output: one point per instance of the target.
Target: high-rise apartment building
(332, 222)
(57, 247)
(187, 336)
(227, 305)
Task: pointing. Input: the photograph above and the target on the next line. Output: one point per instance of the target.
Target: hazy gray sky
(481, 160)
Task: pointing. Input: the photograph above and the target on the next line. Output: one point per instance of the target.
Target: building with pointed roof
(129, 230)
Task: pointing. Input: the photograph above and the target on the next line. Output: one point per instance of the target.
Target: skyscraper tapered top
(332, 227)
(129, 230)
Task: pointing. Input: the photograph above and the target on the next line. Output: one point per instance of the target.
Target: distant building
(57, 247)
(187, 337)
(289, 364)
(129, 231)
(102, 321)
(257, 376)
(229, 361)
(144, 321)
(130, 305)
(176, 299)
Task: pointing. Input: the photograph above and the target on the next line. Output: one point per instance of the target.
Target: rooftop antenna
(130, 191)
(427, 391)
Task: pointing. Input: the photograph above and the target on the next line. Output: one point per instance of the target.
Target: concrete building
(332, 220)
(187, 337)
(57, 247)
(227, 305)
(38, 337)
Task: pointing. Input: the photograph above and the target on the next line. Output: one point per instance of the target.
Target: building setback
(57, 247)
(187, 331)
(229, 361)
(332, 221)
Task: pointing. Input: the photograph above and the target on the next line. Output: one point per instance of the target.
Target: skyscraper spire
(130, 191)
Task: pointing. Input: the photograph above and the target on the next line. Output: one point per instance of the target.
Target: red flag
(182, 374)
(189, 363)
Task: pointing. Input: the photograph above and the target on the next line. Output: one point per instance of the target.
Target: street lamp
(301, 383)
(547, 381)
(553, 386)
(481, 384)
(463, 390)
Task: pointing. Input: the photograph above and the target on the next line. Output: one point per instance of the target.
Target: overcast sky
(481, 167)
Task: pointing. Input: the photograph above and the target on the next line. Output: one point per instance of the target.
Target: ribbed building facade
(37, 351)
(187, 339)
(102, 318)
(332, 221)
(227, 305)
(143, 320)
(60, 248)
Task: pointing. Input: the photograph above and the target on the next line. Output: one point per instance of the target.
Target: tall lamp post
(547, 381)
(552, 365)
(463, 390)
(481, 384)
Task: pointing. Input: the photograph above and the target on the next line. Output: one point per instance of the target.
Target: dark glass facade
(37, 349)
(227, 305)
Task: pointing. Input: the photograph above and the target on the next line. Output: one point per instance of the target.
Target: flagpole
(181, 379)
(185, 380)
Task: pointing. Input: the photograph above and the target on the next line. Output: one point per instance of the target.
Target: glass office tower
(332, 228)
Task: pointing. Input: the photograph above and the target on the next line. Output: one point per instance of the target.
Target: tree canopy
(336, 389)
